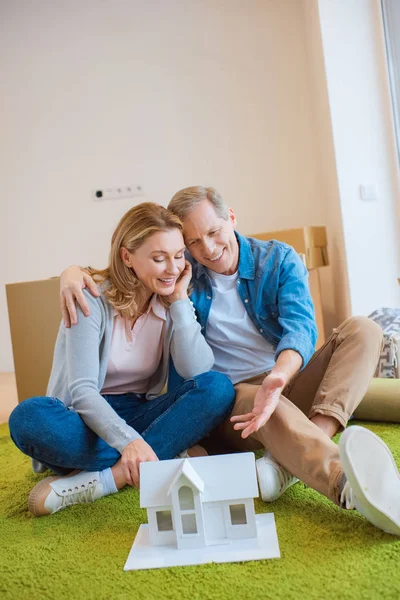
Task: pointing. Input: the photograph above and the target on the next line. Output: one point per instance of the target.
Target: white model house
(195, 502)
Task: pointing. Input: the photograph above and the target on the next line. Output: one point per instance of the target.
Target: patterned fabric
(389, 320)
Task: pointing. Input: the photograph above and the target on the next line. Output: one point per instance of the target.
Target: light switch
(368, 192)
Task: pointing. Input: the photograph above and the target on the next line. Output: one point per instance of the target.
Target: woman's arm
(189, 350)
(83, 366)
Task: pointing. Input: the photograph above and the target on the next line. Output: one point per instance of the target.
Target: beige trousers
(332, 383)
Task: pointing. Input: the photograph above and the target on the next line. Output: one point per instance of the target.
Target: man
(253, 303)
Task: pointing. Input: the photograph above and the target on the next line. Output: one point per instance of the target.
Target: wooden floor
(8, 395)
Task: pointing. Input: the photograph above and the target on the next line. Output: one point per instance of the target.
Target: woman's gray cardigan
(81, 357)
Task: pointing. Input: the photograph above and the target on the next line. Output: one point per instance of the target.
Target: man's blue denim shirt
(273, 285)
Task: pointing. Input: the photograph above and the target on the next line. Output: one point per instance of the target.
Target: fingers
(70, 307)
(91, 286)
(248, 431)
(153, 456)
(240, 418)
(127, 473)
(135, 472)
(240, 426)
(81, 300)
(65, 313)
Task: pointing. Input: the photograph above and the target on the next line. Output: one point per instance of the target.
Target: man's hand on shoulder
(72, 281)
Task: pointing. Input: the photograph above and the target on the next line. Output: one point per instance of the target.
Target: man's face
(211, 240)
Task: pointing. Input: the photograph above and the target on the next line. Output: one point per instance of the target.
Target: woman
(103, 414)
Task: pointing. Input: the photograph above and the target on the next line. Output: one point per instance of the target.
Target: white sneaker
(273, 479)
(373, 480)
(56, 493)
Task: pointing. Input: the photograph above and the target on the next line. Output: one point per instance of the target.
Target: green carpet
(326, 553)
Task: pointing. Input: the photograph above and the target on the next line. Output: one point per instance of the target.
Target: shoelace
(79, 496)
(285, 477)
(347, 499)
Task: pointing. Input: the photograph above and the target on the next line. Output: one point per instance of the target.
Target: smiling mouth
(217, 257)
(167, 281)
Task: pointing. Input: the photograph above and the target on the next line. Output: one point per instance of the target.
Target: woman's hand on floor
(132, 455)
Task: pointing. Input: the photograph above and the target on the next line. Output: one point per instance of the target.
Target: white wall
(364, 144)
(164, 94)
(334, 280)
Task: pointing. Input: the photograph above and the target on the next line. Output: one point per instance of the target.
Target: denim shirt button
(261, 330)
(208, 297)
(246, 300)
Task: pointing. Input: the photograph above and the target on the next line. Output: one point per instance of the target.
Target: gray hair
(189, 198)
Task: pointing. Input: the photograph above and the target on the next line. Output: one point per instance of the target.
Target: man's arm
(295, 309)
(299, 334)
(72, 281)
(288, 364)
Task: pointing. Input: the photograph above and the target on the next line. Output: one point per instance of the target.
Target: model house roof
(223, 477)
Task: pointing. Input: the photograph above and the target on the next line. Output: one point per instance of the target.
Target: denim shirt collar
(246, 261)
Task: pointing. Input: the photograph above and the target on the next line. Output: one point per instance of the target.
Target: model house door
(215, 524)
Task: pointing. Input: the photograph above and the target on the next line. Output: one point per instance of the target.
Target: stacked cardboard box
(312, 245)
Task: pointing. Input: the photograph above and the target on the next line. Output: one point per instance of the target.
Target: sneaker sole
(371, 508)
(38, 488)
(33, 496)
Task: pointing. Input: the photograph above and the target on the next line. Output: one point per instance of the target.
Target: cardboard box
(311, 244)
(309, 240)
(35, 317)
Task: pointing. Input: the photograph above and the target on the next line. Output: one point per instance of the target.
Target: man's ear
(232, 217)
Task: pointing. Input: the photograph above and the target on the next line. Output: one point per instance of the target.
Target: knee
(218, 390)
(366, 330)
(26, 418)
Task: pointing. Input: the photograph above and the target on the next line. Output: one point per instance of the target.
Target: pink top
(135, 353)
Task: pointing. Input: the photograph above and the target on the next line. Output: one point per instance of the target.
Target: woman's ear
(126, 257)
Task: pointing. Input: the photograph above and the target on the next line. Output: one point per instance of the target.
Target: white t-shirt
(240, 351)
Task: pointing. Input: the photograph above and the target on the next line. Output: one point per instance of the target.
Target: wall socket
(122, 191)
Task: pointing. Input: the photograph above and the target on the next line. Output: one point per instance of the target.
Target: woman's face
(159, 261)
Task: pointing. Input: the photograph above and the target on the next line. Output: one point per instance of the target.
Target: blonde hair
(189, 198)
(125, 292)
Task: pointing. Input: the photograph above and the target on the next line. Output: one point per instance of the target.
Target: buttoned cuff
(119, 436)
(182, 313)
(297, 342)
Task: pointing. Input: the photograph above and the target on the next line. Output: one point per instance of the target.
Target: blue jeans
(45, 429)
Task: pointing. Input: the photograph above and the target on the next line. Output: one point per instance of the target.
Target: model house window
(189, 523)
(188, 514)
(164, 520)
(186, 500)
(238, 514)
